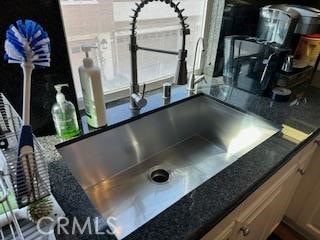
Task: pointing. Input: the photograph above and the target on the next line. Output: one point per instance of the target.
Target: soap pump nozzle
(60, 96)
(87, 61)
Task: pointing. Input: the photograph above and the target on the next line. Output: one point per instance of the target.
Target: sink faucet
(137, 100)
(194, 80)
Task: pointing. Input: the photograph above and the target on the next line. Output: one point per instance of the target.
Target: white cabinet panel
(258, 216)
(309, 218)
(304, 210)
(224, 230)
(255, 225)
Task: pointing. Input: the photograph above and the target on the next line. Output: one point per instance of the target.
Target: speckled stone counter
(200, 210)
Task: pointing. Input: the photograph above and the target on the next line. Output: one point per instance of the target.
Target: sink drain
(159, 176)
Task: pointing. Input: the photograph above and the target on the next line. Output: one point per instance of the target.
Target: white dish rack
(15, 223)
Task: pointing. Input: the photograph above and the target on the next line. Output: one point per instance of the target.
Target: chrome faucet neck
(200, 40)
(193, 80)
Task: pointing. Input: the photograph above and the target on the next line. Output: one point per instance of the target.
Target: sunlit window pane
(106, 24)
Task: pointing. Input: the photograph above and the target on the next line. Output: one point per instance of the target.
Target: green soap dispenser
(64, 115)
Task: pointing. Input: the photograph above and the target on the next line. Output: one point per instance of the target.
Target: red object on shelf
(313, 36)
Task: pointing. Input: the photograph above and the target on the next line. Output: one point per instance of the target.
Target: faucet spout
(181, 72)
(193, 79)
(181, 77)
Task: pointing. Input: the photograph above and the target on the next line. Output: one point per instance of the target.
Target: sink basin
(138, 169)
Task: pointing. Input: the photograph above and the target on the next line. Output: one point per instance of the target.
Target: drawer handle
(245, 231)
(301, 171)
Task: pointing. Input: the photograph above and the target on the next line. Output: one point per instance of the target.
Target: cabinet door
(288, 187)
(254, 226)
(260, 217)
(225, 234)
(224, 230)
(309, 217)
(309, 177)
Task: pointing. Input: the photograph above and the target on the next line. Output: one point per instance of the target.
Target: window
(77, 2)
(106, 25)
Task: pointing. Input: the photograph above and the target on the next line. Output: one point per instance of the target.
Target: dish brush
(27, 44)
(46, 207)
(41, 208)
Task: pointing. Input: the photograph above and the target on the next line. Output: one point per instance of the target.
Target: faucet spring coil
(175, 6)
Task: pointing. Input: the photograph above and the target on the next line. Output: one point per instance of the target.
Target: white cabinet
(255, 225)
(309, 219)
(226, 234)
(258, 216)
(304, 210)
(262, 212)
(224, 230)
(306, 182)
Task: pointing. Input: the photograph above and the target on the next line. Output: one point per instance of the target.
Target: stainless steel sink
(135, 171)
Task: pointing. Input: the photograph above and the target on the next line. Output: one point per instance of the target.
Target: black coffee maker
(255, 64)
(252, 64)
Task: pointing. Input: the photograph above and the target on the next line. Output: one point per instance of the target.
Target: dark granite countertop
(200, 210)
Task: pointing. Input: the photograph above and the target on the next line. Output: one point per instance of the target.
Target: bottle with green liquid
(64, 115)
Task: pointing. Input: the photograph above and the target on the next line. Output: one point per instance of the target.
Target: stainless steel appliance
(279, 23)
(297, 80)
(252, 64)
(288, 64)
(239, 17)
(283, 24)
(309, 21)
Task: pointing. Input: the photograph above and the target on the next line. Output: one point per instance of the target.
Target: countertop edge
(202, 232)
(213, 220)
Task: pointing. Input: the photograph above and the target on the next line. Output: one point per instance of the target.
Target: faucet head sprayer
(181, 77)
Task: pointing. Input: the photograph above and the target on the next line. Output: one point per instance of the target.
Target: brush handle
(19, 214)
(27, 72)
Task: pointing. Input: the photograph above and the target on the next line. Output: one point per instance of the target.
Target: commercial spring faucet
(137, 100)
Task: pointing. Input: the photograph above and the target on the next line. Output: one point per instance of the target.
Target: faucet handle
(143, 90)
(139, 101)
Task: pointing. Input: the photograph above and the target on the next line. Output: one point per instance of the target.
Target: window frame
(124, 92)
(78, 2)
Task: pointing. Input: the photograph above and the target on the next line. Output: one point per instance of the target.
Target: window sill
(119, 111)
(124, 93)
